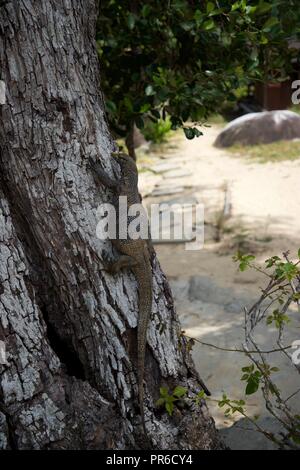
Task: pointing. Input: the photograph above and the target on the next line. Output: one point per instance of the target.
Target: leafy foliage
(167, 400)
(244, 260)
(183, 58)
(282, 289)
(233, 406)
(253, 376)
(157, 131)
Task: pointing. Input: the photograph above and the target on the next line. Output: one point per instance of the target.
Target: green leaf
(252, 386)
(263, 7)
(209, 7)
(208, 25)
(146, 10)
(144, 108)
(128, 104)
(155, 113)
(110, 105)
(197, 133)
(246, 369)
(243, 266)
(139, 122)
(131, 21)
(179, 391)
(169, 407)
(235, 6)
(263, 39)
(160, 402)
(270, 23)
(189, 132)
(243, 4)
(251, 10)
(198, 15)
(201, 394)
(164, 392)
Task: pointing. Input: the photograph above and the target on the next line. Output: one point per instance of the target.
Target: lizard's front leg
(113, 267)
(103, 177)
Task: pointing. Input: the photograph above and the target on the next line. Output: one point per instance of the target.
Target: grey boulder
(260, 128)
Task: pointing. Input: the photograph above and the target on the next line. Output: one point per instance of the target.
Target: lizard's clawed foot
(114, 266)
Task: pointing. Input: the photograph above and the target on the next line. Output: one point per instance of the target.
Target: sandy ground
(265, 202)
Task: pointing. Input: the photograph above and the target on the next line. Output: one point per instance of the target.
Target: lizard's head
(127, 163)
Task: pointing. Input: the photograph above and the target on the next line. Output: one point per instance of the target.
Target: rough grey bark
(70, 328)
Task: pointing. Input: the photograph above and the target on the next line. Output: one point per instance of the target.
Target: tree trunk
(68, 327)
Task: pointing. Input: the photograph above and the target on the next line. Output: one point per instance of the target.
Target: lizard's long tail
(143, 275)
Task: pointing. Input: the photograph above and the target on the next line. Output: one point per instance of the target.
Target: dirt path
(209, 290)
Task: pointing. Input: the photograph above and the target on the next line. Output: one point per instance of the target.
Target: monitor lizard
(134, 254)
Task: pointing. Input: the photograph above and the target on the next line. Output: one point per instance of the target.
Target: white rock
(260, 128)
